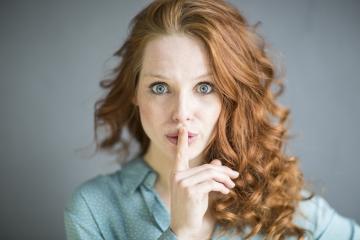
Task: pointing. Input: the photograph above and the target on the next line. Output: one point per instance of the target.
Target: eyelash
(200, 83)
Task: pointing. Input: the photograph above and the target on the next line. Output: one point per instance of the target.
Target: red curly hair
(251, 129)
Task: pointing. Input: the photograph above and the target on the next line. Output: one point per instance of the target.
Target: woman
(193, 87)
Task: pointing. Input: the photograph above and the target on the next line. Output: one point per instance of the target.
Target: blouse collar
(137, 172)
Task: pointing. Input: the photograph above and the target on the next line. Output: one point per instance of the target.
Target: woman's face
(176, 88)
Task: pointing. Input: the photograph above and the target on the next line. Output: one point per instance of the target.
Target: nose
(182, 108)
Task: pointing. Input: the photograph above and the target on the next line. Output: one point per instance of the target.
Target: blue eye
(205, 88)
(158, 88)
(161, 88)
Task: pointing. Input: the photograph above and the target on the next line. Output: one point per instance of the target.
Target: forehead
(176, 56)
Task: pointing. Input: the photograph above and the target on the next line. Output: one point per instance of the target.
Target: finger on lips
(182, 161)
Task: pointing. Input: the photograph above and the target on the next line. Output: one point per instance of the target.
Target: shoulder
(94, 192)
(93, 206)
(107, 191)
(99, 203)
(99, 185)
(322, 220)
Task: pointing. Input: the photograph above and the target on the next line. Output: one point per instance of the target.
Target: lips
(175, 135)
(173, 138)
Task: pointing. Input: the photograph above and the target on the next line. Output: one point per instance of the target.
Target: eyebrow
(156, 75)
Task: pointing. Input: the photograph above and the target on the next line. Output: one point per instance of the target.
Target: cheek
(212, 117)
(211, 114)
(149, 115)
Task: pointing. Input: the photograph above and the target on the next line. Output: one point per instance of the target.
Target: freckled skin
(180, 59)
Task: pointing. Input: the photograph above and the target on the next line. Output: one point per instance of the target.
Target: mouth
(174, 139)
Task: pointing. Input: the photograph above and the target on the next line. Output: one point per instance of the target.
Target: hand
(190, 188)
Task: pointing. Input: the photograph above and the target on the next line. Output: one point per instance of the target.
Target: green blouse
(124, 205)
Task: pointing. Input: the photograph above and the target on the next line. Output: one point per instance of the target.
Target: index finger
(182, 161)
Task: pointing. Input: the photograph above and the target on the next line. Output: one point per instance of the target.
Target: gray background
(54, 53)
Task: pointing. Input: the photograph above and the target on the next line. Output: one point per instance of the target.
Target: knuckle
(189, 191)
(182, 184)
(213, 172)
(207, 166)
(229, 171)
(214, 184)
(212, 166)
(228, 179)
(177, 177)
(216, 161)
(226, 168)
(221, 177)
(221, 186)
